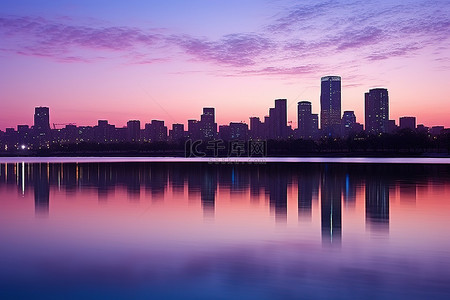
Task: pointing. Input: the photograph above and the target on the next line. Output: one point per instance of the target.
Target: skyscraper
(208, 126)
(42, 126)
(280, 113)
(304, 119)
(276, 123)
(330, 104)
(42, 119)
(315, 125)
(256, 128)
(376, 111)
(133, 130)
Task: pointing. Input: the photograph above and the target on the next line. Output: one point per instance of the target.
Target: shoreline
(227, 160)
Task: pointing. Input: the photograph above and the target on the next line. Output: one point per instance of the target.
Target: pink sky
(149, 62)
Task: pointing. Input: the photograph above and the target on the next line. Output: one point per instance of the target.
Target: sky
(166, 60)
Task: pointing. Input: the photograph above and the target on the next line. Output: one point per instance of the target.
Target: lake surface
(119, 229)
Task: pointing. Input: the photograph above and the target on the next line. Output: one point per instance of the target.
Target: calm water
(167, 230)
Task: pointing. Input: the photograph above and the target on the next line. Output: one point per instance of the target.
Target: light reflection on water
(202, 231)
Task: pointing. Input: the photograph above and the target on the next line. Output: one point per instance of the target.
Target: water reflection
(41, 188)
(337, 186)
(196, 231)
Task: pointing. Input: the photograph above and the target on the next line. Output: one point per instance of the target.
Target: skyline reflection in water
(388, 224)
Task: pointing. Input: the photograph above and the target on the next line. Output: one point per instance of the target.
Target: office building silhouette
(376, 105)
(407, 123)
(304, 120)
(330, 105)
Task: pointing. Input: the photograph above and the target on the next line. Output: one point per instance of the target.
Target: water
(78, 229)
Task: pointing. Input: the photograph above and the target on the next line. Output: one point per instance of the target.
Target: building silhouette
(330, 105)
(279, 115)
(376, 105)
(133, 131)
(41, 128)
(407, 123)
(44, 138)
(349, 124)
(155, 131)
(304, 120)
(177, 133)
(256, 129)
(208, 125)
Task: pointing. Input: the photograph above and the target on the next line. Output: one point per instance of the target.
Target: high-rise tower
(305, 122)
(376, 111)
(330, 104)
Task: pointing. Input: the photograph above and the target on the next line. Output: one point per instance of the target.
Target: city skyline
(123, 62)
(274, 126)
(376, 117)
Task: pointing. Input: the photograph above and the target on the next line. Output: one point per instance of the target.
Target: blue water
(162, 228)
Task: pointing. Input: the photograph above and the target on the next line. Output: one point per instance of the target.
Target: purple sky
(92, 60)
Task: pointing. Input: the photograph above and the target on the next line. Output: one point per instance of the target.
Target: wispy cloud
(41, 37)
(297, 40)
(237, 50)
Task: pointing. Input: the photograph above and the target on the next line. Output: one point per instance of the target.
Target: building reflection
(268, 186)
(308, 187)
(349, 190)
(331, 210)
(41, 189)
(377, 204)
(408, 192)
(208, 192)
(278, 197)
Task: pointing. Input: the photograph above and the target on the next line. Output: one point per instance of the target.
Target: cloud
(359, 38)
(366, 30)
(393, 51)
(237, 50)
(41, 37)
(300, 39)
(297, 70)
(300, 14)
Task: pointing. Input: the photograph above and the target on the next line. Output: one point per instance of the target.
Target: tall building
(377, 111)
(330, 104)
(304, 119)
(348, 122)
(239, 131)
(315, 125)
(103, 132)
(256, 128)
(193, 129)
(275, 124)
(41, 126)
(280, 121)
(177, 133)
(208, 126)
(133, 130)
(408, 123)
(42, 119)
(155, 131)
